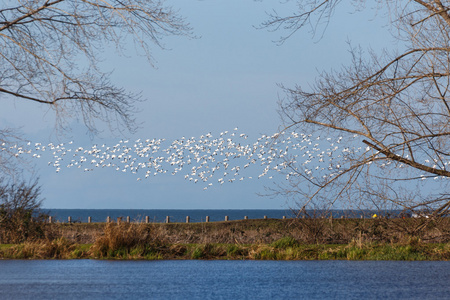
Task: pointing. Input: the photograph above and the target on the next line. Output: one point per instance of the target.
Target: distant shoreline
(200, 215)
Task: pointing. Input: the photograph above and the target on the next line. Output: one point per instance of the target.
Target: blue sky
(225, 77)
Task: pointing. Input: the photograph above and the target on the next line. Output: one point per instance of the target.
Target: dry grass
(283, 249)
(131, 239)
(246, 239)
(45, 249)
(306, 231)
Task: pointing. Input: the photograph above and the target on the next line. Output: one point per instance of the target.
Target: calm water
(196, 215)
(93, 279)
(159, 215)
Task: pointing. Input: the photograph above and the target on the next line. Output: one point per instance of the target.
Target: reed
(127, 240)
(305, 231)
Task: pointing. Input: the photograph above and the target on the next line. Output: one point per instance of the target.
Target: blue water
(94, 279)
(159, 215)
(196, 215)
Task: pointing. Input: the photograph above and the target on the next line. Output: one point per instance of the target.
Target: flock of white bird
(207, 159)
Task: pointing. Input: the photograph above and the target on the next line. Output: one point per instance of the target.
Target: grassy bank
(283, 249)
(309, 239)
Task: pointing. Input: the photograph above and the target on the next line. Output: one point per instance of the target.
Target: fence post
(167, 219)
(226, 218)
(128, 219)
(245, 217)
(108, 219)
(265, 217)
(284, 217)
(147, 219)
(187, 219)
(69, 219)
(89, 220)
(50, 220)
(207, 219)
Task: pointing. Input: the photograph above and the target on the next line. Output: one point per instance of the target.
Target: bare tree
(390, 111)
(50, 53)
(9, 139)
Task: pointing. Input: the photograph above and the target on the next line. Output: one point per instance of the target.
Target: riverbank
(283, 249)
(302, 239)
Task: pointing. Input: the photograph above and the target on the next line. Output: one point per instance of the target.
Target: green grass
(286, 242)
(284, 249)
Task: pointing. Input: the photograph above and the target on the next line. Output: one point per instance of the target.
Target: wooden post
(167, 219)
(187, 219)
(245, 217)
(128, 219)
(226, 218)
(89, 220)
(331, 219)
(147, 219)
(284, 217)
(207, 219)
(108, 219)
(265, 217)
(50, 219)
(69, 219)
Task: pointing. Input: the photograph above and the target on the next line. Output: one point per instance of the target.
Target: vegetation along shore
(271, 239)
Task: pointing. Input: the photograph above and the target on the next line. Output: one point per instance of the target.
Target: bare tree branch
(396, 104)
(42, 42)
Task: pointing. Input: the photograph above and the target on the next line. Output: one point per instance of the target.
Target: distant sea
(159, 215)
(195, 215)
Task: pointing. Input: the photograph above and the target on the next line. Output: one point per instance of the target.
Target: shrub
(21, 218)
